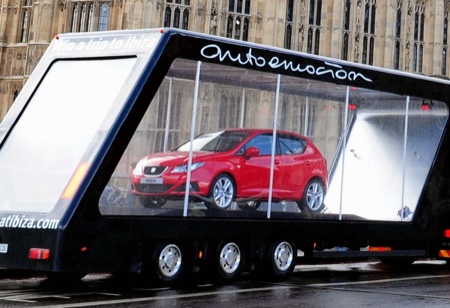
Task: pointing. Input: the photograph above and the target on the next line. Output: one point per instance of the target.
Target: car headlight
(184, 168)
(139, 169)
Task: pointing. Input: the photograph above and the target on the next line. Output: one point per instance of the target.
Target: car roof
(261, 130)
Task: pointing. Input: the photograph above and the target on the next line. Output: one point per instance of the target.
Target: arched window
(444, 44)
(25, 22)
(177, 14)
(315, 18)
(288, 25)
(238, 22)
(103, 17)
(75, 18)
(345, 41)
(84, 13)
(288, 36)
(419, 27)
(369, 32)
(398, 33)
(90, 17)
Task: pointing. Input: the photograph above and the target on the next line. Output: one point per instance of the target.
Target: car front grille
(153, 188)
(154, 170)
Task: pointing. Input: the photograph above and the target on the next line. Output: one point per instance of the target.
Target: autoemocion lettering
(336, 71)
(23, 222)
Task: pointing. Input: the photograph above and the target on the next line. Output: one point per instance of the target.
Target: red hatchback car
(234, 165)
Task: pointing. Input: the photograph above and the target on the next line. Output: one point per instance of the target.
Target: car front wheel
(152, 203)
(222, 192)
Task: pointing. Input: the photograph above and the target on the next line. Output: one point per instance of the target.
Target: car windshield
(215, 142)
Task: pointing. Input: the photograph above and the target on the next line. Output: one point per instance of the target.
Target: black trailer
(85, 183)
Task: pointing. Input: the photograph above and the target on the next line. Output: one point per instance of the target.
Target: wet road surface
(361, 284)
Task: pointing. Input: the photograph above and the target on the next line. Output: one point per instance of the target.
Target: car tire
(249, 205)
(152, 203)
(313, 197)
(222, 192)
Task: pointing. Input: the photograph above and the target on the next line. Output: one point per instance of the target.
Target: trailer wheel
(229, 260)
(313, 196)
(222, 192)
(282, 258)
(167, 263)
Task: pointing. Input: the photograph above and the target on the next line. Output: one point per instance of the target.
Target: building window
(315, 16)
(397, 55)
(103, 17)
(444, 61)
(288, 36)
(177, 14)
(238, 20)
(346, 34)
(444, 44)
(369, 32)
(419, 27)
(288, 26)
(25, 22)
(398, 32)
(83, 13)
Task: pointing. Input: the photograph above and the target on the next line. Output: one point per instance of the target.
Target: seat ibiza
(235, 165)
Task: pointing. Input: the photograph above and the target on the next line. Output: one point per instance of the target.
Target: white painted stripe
(153, 298)
(373, 281)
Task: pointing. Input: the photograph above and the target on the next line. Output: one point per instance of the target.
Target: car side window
(262, 142)
(291, 145)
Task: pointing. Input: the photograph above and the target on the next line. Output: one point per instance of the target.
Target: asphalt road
(364, 284)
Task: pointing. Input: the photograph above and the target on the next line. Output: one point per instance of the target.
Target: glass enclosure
(40, 156)
(254, 144)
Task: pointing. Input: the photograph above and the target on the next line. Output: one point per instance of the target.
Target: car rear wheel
(313, 197)
(222, 192)
(249, 205)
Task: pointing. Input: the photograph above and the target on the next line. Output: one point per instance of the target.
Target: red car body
(244, 156)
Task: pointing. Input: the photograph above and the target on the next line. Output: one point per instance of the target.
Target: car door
(253, 178)
(292, 167)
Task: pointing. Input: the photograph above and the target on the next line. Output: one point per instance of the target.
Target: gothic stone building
(408, 35)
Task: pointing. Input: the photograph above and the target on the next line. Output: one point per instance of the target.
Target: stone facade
(409, 35)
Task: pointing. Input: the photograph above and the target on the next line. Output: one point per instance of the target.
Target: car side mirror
(251, 152)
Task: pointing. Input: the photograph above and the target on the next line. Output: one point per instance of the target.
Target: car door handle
(277, 162)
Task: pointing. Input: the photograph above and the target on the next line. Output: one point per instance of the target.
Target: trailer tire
(281, 259)
(229, 260)
(166, 263)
